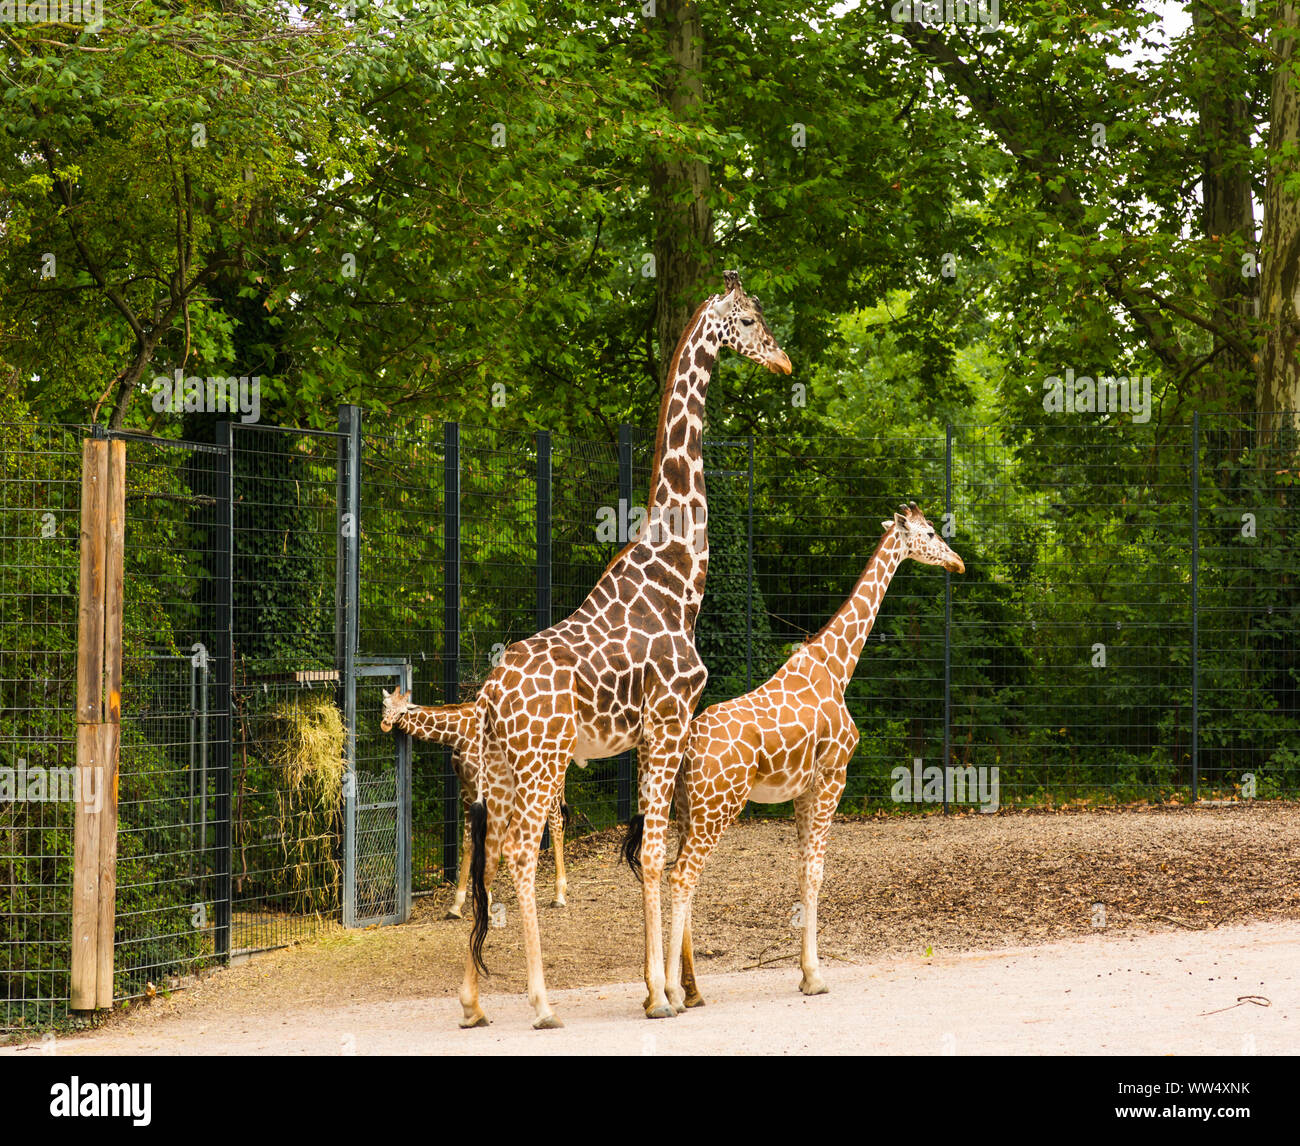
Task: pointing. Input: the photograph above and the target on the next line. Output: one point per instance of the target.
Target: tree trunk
(1279, 368)
(680, 189)
(1227, 210)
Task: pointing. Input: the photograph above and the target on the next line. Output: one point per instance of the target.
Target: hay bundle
(308, 752)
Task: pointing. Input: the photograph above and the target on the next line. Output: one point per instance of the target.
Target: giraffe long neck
(677, 474)
(677, 523)
(442, 724)
(675, 532)
(839, 644)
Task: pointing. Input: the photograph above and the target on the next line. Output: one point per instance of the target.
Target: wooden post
(110, 731)
(99, 710)
(84, 963)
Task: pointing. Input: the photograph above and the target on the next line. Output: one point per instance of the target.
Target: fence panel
(1071, 630)
(1249, 607)
(171, 815)
(40, 510)
(287, 736)
(402, 597)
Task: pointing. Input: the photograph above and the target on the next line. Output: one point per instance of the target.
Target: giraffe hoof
(558, 903)
(468, 1024)
(547, 1023)
(813, 986)
(665, 1011)
(452, 913)
(696, 1000)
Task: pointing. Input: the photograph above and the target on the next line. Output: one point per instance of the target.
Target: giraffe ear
(900, 519)
(725, 303)
(887, 522)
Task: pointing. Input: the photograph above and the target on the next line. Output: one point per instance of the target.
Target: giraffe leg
(667, 743)
(496, 831)
(689, 985)
(813, 812)
(466, 853)
(556, 820)
(704, 825)
(522, 846)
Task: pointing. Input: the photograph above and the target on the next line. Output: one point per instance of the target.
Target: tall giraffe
(456, 725)
(621, 672)
(789, 739)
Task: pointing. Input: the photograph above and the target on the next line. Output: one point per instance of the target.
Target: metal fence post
(947, 623)
(626, 762)
(543, 530)
(749, 594)
(544, 550)
(451, 635)
(224, 662)
(347, 590)
(1196, 621)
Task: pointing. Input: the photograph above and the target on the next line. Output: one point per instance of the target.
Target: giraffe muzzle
(780, 364)
(956, 565)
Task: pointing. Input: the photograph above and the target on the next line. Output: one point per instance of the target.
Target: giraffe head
(395, 703)
(921, 541)
(744, 329)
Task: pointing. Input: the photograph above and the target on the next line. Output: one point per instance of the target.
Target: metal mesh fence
(286, 735)
(1248, 607)
(171, 820)
(403, 582)
(40, 504)
(1071, 634)
(1125, 629)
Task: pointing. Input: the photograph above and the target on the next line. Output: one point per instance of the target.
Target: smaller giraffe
(789, 739)
(456, 725)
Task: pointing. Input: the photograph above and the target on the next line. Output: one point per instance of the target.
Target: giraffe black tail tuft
(565, 814)
(478, 883)
(632, 844)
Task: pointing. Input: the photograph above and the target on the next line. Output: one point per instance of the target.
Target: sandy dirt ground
(1161, 994)
(1098, 932)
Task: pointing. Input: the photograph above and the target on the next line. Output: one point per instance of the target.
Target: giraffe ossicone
(789, 739)
(621, 672)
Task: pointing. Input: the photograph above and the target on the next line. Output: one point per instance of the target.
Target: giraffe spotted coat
(789, 739)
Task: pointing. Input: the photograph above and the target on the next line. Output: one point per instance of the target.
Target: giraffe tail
(478, 883)
(632, 844)
(565, 814)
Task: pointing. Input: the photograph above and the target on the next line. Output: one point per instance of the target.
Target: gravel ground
(921, 919)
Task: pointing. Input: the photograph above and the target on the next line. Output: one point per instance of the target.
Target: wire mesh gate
(377, 805)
